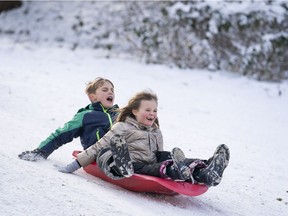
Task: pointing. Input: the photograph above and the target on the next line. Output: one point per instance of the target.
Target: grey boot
(106, 163)
(212, 174)
(121, 156)
(179, 169)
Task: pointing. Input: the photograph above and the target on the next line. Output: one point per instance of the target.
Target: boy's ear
(92, 97)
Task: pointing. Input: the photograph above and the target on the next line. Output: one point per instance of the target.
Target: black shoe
(121, 155)
(179, 164)
(212, 174)
(34, 155)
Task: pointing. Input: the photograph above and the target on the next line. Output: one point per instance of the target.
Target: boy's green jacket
(89, 123)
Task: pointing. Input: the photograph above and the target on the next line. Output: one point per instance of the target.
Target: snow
(42, 87)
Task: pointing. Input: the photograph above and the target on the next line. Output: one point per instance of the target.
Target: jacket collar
(140, 126)
(99, 107)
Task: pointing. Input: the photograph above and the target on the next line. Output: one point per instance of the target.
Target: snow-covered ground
(42, 87)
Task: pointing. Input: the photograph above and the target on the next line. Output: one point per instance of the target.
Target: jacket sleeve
(160, 140)
(90, 154)
(70, 130)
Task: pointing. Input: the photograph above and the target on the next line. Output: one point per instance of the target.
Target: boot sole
(121, 156)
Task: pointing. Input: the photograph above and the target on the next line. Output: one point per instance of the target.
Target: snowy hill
(42, 81)
(42, 87)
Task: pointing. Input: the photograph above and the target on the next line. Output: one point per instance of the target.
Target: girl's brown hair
(134, 104)
(92, 86)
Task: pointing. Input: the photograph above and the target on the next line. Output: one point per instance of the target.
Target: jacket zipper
(109, 117)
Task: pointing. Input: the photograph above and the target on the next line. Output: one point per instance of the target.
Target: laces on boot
(196, 164)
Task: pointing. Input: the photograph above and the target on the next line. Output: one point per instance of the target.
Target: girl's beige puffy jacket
(142, 141)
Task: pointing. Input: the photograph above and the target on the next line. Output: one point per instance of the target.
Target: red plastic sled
(148, 184)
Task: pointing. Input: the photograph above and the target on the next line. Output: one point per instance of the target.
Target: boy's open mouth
(110, 99)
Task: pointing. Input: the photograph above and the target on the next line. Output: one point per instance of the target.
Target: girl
(89, 123)
(137, 131)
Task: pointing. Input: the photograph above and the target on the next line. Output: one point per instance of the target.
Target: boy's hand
(34, 155)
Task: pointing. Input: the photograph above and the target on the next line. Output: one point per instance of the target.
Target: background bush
(195, 34)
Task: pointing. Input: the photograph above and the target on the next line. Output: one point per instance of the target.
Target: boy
(89, 123)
